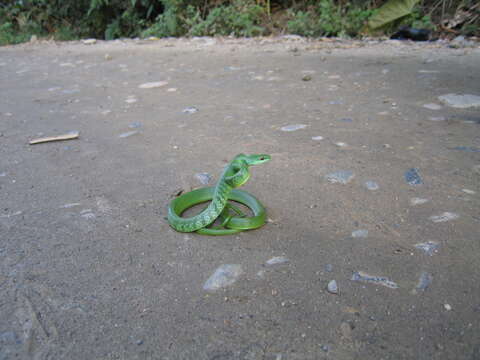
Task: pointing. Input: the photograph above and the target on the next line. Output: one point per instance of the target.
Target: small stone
(293, 127)
(471, 149)
(277, 260)
(468, 191)
(153, 85)
(424, 281)
(418, 201)
(335, 102)
(341, 144)
(437, 118)
(329, 268)
(108, 57)
(128, 134)
(446, 216)
(412, 177)
(428, 247)
(460, 101)
(69, 205)
(190, 110)
(379, 280)
(87, 214)
(341, 177)
(261, 274)
(135, 125)
(447, 307)
(89, 41)
(317, 138)
(432, 106)
(371, 185)
(131, 100)
(306, 78)
(204, 177)
(361, 233)
(172, 89)
(224, 276)
(332, 287)
(139, 342)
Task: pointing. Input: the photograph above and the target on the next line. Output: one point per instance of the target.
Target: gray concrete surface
(90, 269)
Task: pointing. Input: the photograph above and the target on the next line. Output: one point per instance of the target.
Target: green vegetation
(111, 19)
(327, 18)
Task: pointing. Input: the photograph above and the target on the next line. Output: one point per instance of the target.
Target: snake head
(254, 159)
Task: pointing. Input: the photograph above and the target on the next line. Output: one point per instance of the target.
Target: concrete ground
(373, 183)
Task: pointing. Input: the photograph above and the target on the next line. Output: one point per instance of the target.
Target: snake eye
(262, 158)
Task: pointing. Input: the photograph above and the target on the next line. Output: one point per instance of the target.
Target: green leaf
(390, 11)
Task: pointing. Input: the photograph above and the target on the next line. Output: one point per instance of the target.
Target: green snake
(236, 173)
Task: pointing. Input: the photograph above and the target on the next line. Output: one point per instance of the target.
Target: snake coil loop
(235, 174)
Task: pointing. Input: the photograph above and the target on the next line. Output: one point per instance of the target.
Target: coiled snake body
(235, 174)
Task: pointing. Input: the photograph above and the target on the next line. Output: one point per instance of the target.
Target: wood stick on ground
(68, 136)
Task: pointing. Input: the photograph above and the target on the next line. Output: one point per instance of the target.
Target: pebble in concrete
(190, 110)
(424, 281)
(437, 118)
(446, 216)
(467, 149)
(277, 260)
(360, 233)
(379, 280)
(203, 177)
(342, 177)
(152, 85)
(460, 101)
(224, 276)
(131, 99)
(135, 125)
(428, 247)
(418, 201)
(412, 177)
(87, 214)
(332, 287)
(128, 134)
(371, 185)
(432, 106)
(293, 127)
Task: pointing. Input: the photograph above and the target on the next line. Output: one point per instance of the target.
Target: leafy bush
(419, 21)
(329, 19)
(166, 24)
(241, 18)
